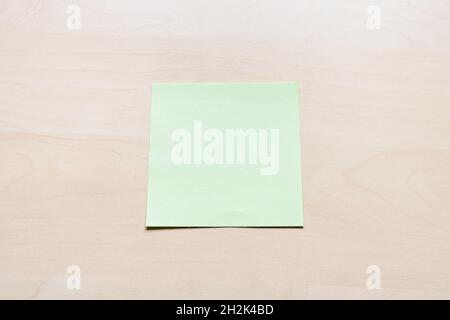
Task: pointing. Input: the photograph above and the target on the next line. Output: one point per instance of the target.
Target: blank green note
(225, 155)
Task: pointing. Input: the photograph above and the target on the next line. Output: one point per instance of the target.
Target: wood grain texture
(74, 128)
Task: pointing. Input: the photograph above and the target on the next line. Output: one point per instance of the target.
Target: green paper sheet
(224, 155)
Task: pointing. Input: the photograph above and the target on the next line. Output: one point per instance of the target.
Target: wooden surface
(74, 129)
